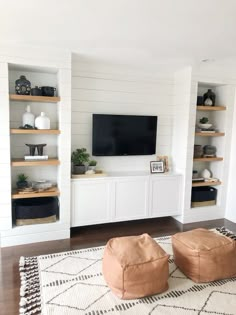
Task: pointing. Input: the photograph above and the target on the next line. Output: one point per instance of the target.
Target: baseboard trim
(14, 240)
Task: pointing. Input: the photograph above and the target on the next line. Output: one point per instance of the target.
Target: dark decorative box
(203, 196)
(35, 210)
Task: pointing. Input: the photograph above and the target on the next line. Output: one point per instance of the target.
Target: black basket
(35, 208)
(203, 194)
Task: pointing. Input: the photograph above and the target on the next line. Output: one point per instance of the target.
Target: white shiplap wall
(111, 89)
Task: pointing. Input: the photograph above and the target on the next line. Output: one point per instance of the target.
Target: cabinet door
(90, 203)
(131, 199)
(165, 196)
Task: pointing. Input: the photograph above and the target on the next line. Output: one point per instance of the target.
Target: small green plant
(92, 163)
(22, 177)
(204, 120)
(80, 157)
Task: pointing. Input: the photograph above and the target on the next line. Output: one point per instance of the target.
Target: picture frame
(157, 167)
(164, 159)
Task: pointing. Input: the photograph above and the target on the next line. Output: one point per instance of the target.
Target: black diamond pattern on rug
(79, 295)
(71, 265)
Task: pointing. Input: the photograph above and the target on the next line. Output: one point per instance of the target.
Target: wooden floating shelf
(210, 159)
(210, 108)
(199, 184)
(22, 162)
(31, 98)
(209, 134)
(54, 193)
(35, 131)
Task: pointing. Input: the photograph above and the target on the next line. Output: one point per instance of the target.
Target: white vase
(42, 121)
(206, 173)
(28, 117)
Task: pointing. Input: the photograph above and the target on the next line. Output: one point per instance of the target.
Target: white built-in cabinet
(130, 198)
(94, 198)
(164, 197)
(124, 198)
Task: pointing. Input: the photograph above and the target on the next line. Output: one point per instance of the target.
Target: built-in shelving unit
(34, 169)
(216, 117)
(40, 70)
(31, 98)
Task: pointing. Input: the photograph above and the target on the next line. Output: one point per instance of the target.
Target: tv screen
(124, 135)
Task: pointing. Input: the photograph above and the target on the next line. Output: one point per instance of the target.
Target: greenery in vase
(204, 120)
(92, 163)
(22, 178)
(79, 157)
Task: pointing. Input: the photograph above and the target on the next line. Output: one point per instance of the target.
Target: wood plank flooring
(82, 238)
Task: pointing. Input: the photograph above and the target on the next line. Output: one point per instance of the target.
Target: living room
(123, 64)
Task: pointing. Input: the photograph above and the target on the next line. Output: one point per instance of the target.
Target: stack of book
(36, 157)
(209, 130)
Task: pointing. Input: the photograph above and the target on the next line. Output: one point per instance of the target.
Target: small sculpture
(39, 147)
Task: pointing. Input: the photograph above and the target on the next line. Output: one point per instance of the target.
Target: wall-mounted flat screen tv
(123, 135)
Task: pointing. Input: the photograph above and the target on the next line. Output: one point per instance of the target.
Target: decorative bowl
(204, 126)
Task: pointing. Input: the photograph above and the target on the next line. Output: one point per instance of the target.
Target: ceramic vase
(209, 98)
(42, 121)
(22, 86)
(206, 173)
(28, 117)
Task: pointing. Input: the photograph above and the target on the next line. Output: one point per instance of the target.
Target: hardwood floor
(82, 238)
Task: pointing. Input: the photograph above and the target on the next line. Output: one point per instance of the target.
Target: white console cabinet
(131, 198)
(91, 202)
(164, 198)
(124, 198)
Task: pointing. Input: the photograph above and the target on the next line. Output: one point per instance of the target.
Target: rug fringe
(226, 232)
(30, 302)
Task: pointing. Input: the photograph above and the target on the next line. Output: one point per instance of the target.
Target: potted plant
(79, 157)
(92, 165)
(203, 123)
(21, 181)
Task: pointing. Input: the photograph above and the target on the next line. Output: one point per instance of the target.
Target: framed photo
(157, 166)
(164, 159)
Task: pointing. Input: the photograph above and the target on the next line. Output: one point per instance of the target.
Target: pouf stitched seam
(146, 262)
(204, 250)
(197, 251)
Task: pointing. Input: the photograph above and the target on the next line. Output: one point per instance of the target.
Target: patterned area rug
(72, 283)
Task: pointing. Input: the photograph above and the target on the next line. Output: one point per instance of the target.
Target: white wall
(231, 196)
(183, 133)
(115, 89)
(5, 170)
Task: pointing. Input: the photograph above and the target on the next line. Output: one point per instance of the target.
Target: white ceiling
(139, 31)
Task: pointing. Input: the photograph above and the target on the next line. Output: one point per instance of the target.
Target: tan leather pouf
(204, 256)
(135, 266)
